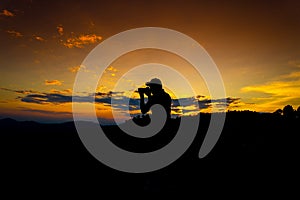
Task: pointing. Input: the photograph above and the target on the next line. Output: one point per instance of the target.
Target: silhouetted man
(156, 95)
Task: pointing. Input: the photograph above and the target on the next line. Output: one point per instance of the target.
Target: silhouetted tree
(278, 112)
(288, 111)
(298, 112)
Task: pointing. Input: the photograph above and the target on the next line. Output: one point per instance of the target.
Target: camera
(144, 90)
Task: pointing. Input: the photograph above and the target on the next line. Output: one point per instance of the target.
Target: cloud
(60, 30)
(82, 40)
(218, 103)
(39, 38)
(204, 102)
(14, 33)
(108, 94)
(19, 91)
(66, 91)
(229, 100)
(78, 68)
(111, 69)
(46, 112)
(183, 101)
(200, 97)
(46, 98)
(64, 96)
(193, 105)
(7, 13)
(292, 75)
(276, 88)
(74, 69)
(274, 94)
(53, 82)
(118, 100)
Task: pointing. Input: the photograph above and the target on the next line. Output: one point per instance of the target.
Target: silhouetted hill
(254, 151)
(7, 122)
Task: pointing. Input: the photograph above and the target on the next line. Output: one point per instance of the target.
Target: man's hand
(148, 93)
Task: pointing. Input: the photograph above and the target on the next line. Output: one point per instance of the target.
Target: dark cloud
(184, 105)
(58, 98)
(204, 103)
(47, 98)
(19, 91)
(183, 101)
(108, 94)
(121, 102)
(44, 111)
(106, 100)
(207, 103)
(200, 96)
(232, 100)
(177, 110)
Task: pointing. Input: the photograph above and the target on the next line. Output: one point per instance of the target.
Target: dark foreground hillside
(255, 153)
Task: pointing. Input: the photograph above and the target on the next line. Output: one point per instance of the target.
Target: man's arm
(144, 107)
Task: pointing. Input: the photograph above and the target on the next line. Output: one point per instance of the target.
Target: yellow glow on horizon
(276, 94)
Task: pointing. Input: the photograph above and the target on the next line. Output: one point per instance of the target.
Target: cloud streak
(46, 112)
(7, 13)
(66, 91)
(39, 38)
(60, 98)
(14, 33)
(60, 30)
(74, 69)
(19, 91)
(46, 98)
(53, 82)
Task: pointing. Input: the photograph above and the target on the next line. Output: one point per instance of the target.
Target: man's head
(155, 85)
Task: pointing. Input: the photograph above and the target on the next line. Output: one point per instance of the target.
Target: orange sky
(255, 44)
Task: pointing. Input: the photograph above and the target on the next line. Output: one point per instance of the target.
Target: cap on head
(154, 81)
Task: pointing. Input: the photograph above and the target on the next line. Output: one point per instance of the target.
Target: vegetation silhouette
(254, 150)
(289, 112)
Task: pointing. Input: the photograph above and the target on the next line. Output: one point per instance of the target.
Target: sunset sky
(255, 44)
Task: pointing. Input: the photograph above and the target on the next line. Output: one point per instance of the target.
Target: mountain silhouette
(8, 122)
